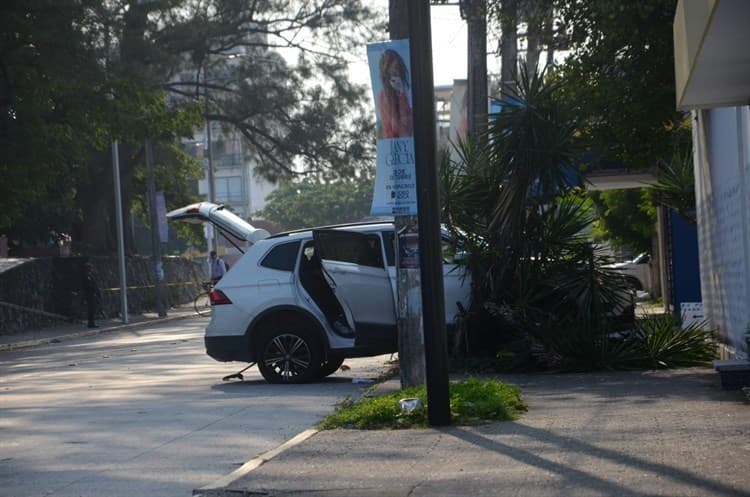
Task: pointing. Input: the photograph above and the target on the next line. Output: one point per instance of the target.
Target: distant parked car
(299, 303)
(637, 271)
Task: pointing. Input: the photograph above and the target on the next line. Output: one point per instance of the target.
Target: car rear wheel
(289, 355)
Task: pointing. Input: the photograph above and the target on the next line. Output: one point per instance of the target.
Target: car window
(363, 250)
(641, 259)
(282, 257)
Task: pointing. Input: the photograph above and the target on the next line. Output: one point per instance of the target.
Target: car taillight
(218, 298)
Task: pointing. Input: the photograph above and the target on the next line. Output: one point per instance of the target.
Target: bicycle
(202, 301)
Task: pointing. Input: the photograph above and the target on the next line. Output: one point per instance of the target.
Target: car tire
(330, 366)
(289, 354)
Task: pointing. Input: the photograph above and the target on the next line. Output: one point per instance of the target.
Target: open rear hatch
(223, 219)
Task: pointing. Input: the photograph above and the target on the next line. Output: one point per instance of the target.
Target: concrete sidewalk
(79, 329)
(656, 433)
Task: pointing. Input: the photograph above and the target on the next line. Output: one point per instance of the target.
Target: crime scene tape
(140, 287)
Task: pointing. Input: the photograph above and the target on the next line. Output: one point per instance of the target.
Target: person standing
(91, 293)
(217, 268)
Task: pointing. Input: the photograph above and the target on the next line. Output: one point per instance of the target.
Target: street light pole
(120, 234)
(212, 243)
(160, 290)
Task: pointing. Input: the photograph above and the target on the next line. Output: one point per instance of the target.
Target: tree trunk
(533, 37)
(476, 20)
(508, 46)
(539, 33)
(95, 226)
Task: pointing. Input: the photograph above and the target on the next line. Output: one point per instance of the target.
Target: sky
(448, 45)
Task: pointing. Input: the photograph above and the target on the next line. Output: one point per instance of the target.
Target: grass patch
(472, 401)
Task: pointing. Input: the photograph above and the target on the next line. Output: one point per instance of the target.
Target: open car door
(354, 261)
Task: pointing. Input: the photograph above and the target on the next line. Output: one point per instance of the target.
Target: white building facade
(712, 69)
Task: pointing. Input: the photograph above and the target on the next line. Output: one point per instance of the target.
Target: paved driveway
(143, 412)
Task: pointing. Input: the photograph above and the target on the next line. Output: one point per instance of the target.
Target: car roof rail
(333, 226)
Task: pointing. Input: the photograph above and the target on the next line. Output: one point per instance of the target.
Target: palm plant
(675, 186)
(510, 201)
(532, 143)
(660, 342)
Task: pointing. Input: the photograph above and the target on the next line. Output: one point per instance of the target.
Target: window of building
(229, 189)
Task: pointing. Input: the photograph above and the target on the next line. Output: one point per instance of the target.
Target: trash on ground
(363, 381)
(410, 404)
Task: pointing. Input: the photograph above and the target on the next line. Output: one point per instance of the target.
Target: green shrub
(656, 342)
(660, 342)
(472, 401)
(584, 346)
(483, 400)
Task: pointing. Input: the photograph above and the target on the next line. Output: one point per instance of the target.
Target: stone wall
(42, 291)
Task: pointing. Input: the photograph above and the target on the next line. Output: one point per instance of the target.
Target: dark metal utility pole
(417, 16)
(428, 213)
(409, 305)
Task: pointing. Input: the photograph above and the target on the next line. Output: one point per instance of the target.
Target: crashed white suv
(299, 303)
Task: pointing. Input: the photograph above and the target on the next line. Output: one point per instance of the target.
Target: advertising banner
(395, 178)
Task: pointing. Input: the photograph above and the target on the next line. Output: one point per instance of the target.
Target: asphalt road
(144, 412)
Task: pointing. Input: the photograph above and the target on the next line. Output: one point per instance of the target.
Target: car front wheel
(333, 363)
(289, 356)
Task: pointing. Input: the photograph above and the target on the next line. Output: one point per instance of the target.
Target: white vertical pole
(120, 236)
(213, 242)
(159, 288)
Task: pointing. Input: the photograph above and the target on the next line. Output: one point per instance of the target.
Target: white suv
(299, 303)
(637, 271)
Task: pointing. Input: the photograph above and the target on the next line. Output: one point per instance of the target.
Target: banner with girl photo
(395, 179)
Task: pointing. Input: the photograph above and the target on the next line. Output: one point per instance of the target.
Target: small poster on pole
(395, 178)
(161, 215)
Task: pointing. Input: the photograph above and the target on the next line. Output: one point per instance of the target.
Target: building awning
(619, 180)
(712, 60)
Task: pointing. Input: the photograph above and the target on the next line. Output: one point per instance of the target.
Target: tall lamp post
(212, 242)
(120, 233)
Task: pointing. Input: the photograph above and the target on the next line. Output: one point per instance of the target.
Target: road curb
(217, 488)
(85, 333)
